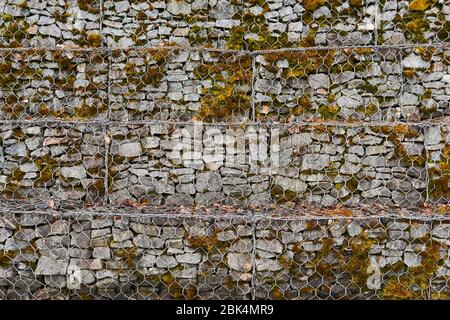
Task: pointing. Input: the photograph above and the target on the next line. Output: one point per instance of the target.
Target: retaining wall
(121, 255)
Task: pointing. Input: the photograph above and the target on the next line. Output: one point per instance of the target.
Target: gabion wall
(179, 256)
(166, 163)
(310, 107)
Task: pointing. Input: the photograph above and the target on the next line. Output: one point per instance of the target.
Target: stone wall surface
(115, 256)
(156, 163)
(333, 112)
(233, 24)
(367, 84)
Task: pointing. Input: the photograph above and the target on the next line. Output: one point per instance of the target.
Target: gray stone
(237, 261)
(189, 258)
(50, 30)
(432, 135)
(412, 259)
(186, 273)
(268, 265)
(441, 231)
(121, 6)
(120, 235)
(48, 267)
(268, 86)
(101, 253)
(5, 234)
(210, 181)
(75, 172)
(177, 7)
(415, 61)
(310, 246)
(350, 102)
(315, 161)
(342, 77)
(166, 261)
(147, 261)
(17, 150)
(270, 245)
(143, 241)
(320, 80)
(295, 185)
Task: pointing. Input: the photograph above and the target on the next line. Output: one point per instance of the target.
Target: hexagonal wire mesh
(129, 126)
(232, 24)
(48, 23)
(327, 165)
(59, 84)
(52, 160)
(324, 165)
(407, 84)
(150, 255)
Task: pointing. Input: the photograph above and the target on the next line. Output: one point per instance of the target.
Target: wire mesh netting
(407, 84)
(120, 255)
(233, 24)
(190, 149)
(172, 163)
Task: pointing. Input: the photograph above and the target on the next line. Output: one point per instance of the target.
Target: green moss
(94, 39)
(6, 258)
(15, 30)
(13, 110)
(309, 40)
(356, 3)
(87, 111)
(22, 4)
(427, 94)
(414, 283)
(301, 63)
(409, 73)
(17, 175)
(151, 72)
(420, 5)
(44, 176)
(443, 34)
(276, 293)
(61, 16)
(352, 184)
(236, 39)
(281, 195)
(173, 287)
(329, 111)
(438, 185)
(359, 261)
(368, 110)
(206, 243)
(228, 96)
(141, 15)
(65, 63)
(415, 24)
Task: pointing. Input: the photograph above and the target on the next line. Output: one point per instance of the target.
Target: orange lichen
(311, 5)
(419, 5)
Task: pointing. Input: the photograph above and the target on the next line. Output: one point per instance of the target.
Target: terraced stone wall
(311, 106)
(115, 256)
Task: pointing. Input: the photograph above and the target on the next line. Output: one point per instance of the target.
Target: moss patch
(416, 280)
(228, 96)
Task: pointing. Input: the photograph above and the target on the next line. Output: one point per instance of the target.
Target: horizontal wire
(287, 215)
(344, 123)
(224, 50)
